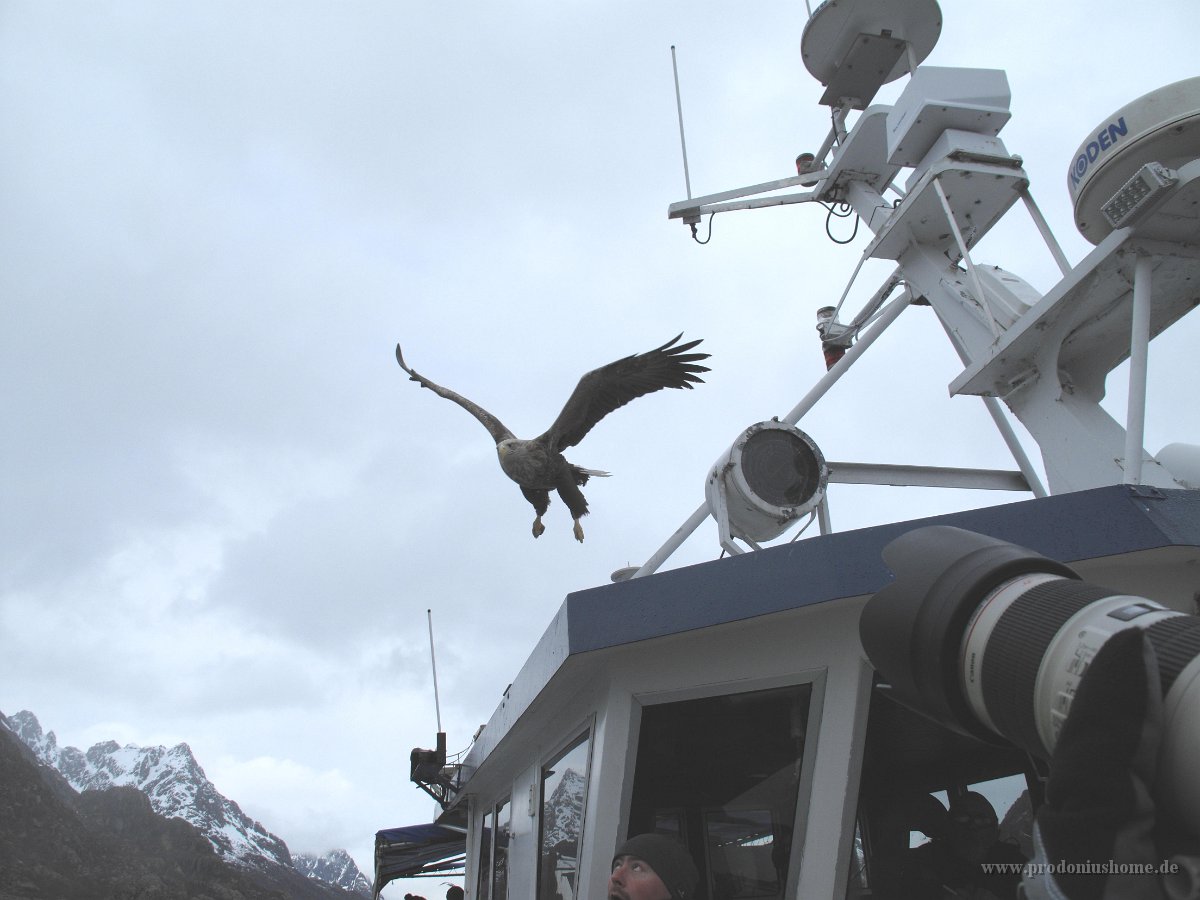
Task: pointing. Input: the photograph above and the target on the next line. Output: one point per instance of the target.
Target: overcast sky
(225, 511)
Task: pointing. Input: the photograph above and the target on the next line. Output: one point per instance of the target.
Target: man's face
(973, 829)
(633, 879)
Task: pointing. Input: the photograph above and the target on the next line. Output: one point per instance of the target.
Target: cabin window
(483, 879)
(723, 773)
(564, 792)
(492, 880)
(500, 852)
(912, 768)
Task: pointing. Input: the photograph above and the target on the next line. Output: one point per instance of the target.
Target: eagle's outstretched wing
(610, 387)
(494, 426)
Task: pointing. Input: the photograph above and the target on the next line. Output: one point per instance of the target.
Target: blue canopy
(418, 851)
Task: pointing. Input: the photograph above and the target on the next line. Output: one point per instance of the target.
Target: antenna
(687, 180)
(433, 662)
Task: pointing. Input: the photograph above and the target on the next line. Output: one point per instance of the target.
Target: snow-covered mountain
(178, 788)
(171, 778)
(335, 867)
(563, 813)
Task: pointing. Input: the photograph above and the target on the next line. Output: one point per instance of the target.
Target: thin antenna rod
(433, 661)
(687, 179)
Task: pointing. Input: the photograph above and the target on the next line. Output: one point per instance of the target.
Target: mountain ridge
(176, 787)
(59, 844)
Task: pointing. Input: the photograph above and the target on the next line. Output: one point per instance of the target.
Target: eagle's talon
(539, 528)
(578, 531)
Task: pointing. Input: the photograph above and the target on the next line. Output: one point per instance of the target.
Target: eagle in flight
(538, 466)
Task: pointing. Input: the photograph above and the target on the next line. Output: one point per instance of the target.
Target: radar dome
(1161, 127)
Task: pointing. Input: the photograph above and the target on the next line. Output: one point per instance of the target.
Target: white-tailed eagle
(538, 466)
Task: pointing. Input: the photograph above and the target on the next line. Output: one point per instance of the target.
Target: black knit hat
(668, 858)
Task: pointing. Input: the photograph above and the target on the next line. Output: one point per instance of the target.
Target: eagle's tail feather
(582, 475)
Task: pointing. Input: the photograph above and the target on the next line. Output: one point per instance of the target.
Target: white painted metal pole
(1014, 446)
(823, 521)
(674, 543)
(687, 178)
(1139, 353)
(886, 318)
(996, 411)
(433, 661)
(849, 284)
(980, 297)
(1043, 228)
(819, 157)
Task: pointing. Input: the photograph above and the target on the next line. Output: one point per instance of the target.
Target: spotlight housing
(772, 475)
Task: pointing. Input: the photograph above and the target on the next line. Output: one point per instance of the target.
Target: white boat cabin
(731, 703)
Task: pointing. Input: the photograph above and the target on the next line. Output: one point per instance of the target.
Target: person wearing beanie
(652, 867)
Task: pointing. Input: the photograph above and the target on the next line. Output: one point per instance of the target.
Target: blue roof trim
(1068, 527)
(1175, 513)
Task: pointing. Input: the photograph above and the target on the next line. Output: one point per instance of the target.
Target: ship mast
(929, 176)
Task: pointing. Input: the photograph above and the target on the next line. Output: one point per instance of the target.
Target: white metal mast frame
(1057, 401)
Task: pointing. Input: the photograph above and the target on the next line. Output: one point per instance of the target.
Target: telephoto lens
(991, 640)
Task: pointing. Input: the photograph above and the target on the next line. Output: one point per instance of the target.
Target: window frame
(817, 680)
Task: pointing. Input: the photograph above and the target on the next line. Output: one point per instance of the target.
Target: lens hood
(912, 630)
